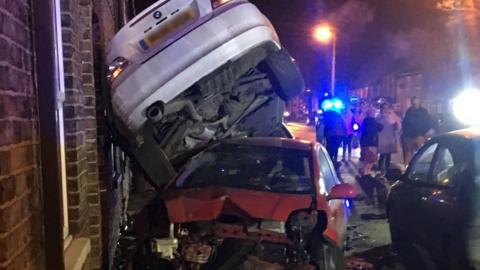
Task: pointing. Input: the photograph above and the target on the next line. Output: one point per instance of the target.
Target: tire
(288, 79)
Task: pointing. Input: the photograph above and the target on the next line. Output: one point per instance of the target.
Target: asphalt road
(368, 240)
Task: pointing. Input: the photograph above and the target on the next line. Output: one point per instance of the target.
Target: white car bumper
(225, 37)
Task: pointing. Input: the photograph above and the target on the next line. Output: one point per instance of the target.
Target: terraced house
(59, 189)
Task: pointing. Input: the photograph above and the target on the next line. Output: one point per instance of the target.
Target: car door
(409, 195)
(441, 205)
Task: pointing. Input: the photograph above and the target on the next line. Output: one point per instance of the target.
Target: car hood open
(208, 203)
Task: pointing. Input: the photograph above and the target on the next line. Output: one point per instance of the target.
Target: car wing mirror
(343, 191)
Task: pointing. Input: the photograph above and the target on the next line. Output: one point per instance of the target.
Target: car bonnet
(209, 203)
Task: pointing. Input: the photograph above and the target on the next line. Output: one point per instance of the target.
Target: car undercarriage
(243, 98)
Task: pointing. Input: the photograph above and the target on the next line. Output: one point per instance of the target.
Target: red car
(248, 189)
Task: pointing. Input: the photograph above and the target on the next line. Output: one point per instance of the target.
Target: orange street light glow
(323, 33)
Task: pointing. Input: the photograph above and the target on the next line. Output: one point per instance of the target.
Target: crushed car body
(214, 205)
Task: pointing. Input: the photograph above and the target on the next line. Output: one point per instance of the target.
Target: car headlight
(116, 68)
(217, 3)
(465, 107)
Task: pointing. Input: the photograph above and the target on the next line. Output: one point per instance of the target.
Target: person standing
(388, 139)
(368, 155)
(369, 141)
(358, 116)
(347, 140)
(335, 130)
(416, 124)
(320, 130)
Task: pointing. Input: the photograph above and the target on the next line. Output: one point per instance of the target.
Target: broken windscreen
(263, 168)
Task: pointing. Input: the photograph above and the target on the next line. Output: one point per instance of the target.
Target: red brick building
(60, 195)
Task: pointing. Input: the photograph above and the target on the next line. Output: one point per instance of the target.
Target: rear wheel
(288, 80)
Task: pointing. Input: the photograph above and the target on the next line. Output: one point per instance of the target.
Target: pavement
(368, 240)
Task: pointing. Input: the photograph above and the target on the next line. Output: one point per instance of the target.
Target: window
(444, 168)
(421, 165)
(250, 167)
(327, 172)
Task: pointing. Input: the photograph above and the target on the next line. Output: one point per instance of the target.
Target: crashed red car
(248, 189)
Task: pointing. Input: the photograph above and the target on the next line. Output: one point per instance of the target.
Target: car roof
(273, 142)
(468, 133)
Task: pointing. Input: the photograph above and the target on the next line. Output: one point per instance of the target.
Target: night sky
(376, 37)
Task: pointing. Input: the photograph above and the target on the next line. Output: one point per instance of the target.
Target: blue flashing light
(333, 104)
(327, 105)
(338, 104)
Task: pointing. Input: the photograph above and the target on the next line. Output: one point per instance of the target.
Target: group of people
(379, 133)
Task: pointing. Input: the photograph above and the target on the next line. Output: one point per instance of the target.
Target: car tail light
(116, 68)
(217, 3)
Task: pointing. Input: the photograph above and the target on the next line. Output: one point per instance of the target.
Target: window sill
(76, 254)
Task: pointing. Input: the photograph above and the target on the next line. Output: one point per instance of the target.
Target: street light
(324, 34)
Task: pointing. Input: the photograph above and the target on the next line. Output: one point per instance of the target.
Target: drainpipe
(45, 15)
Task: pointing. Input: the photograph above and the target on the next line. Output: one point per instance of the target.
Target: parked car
(256, 190)
(434, 208)
(186, 72)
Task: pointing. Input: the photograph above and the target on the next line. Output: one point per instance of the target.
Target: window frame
(60, 98)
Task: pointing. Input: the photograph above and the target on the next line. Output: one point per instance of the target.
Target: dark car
(434, 208)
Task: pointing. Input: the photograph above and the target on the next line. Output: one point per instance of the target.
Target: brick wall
(20, 211)
(80, 127)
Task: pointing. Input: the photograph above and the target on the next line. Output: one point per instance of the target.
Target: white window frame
(60, 77)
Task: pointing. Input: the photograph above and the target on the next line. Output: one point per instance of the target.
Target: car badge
(157, 14)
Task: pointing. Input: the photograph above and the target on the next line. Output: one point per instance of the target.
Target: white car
(186, 72)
